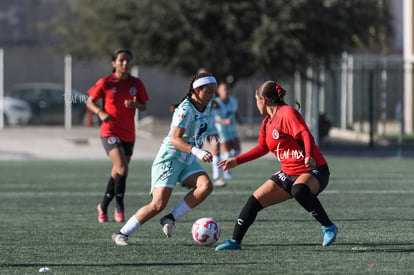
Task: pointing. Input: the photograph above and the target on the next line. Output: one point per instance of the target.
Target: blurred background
(348, 62)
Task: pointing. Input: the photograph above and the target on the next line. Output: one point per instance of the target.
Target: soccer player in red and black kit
(304, 171)
(121, 95)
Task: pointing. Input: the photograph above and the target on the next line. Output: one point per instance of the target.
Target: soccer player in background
(121, 95)
(226, 118)
(176, 161)
(213, 139)
(304, 171)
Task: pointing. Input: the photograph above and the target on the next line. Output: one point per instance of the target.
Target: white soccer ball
(206, 231)
(45, 270)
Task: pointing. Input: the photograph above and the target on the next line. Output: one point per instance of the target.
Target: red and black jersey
(113, 92)
(288, 137)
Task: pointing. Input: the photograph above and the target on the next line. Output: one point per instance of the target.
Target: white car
(16, 111)
(47, 102)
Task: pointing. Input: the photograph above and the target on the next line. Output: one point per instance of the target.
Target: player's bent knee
(300, 190)
(123, 170)
(158, 206)
(206, 187)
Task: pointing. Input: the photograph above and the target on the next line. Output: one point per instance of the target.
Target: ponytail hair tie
(280, 87)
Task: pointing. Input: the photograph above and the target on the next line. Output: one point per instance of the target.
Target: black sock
(246, 218)
(170, 216)
(120, 183)
(109, 194)
(311, 203)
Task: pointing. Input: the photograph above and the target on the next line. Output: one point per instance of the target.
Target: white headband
(204, 81)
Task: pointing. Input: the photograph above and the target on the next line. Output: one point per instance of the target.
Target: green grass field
(48, 218)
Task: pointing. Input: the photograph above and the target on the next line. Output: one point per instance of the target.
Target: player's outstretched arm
(228, 163)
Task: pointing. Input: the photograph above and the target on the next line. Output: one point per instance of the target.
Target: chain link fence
(360, 93)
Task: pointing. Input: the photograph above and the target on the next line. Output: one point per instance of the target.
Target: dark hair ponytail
(274, 93)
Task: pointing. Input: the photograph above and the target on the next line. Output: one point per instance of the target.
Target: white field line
(6, 194)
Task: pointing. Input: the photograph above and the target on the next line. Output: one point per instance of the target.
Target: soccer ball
(206, 231)
(45, 270)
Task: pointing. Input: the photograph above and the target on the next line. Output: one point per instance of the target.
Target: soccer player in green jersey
(176, 161)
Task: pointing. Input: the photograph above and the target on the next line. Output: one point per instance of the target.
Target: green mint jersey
(195, 122)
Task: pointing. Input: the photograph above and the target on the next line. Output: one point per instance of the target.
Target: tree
(237, 37)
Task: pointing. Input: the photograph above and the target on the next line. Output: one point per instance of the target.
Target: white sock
(131, 225)
(215, 170)
(180, 209)
(225, 155)
(227, 174)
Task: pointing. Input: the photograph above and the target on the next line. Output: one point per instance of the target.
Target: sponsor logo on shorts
(167, 167)
(282, 176)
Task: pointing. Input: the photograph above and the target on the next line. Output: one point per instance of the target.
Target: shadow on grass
(379, 247)
(386, 219)
(285, 220)
(347, 247)
(272, 220)
(117, 264)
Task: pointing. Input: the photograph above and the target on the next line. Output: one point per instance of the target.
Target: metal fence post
(371, 108)
(1, 88)
(68, 92)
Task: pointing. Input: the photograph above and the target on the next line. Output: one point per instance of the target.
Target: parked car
(16, 111)
(47, 101)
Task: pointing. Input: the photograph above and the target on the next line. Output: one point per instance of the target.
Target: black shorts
(112, 142)
(285, 181)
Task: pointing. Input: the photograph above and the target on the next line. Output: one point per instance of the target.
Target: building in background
(31, 57)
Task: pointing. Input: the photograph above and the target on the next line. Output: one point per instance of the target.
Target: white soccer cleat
(219, 183)
(167, 226)
(120, 239)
